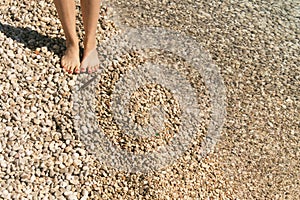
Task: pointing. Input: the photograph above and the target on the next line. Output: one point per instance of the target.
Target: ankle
(89, 43)
(72, 43)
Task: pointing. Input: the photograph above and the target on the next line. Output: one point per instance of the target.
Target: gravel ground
(255, 44)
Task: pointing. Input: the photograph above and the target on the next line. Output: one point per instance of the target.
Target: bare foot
(90, 61)
(70, 61)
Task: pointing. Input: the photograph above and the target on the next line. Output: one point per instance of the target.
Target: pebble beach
(255, 46)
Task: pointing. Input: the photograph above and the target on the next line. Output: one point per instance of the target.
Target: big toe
(83, 67)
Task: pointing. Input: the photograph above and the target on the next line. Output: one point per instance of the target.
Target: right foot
(70, 61)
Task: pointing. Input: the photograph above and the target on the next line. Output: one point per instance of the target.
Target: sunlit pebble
(21, 69)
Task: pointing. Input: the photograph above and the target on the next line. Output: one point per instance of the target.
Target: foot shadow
(32, 39)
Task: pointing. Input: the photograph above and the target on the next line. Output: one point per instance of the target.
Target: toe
(83, 69)
(66, 67)
(77, 70)
(72, 68)
(63, 64)
(90, 70)
(69, 69)
(95, 68)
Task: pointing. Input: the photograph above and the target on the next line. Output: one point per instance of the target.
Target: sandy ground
(254, 44)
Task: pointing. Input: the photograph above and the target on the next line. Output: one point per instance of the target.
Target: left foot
(90, 60)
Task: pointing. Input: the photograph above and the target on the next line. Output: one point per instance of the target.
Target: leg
(90, 14)
(67, 14)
